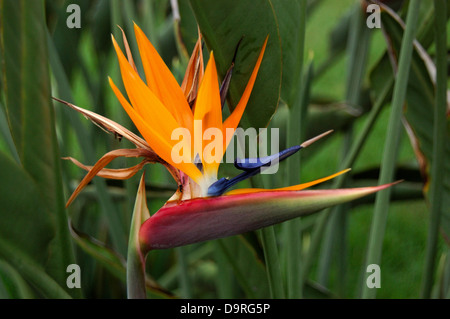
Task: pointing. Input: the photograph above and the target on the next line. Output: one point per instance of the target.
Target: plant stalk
(296, 124)
(269, 244)
(391, 146)
(439, 140)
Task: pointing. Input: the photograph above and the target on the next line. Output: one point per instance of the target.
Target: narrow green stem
(135, 265)
(135, 275)
(149, 20)
(342, 251)
(350, 158)
(129, 15)
(116, 17)
(185, 284)
(391, 146)
(296, 124)
(335, 239)
(269, 244)
(358, 46)
(135, 256)
(358, 49)
(439, 140)
(327, 249)
(224, 282)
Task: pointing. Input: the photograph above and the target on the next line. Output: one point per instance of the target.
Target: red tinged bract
(201, 219)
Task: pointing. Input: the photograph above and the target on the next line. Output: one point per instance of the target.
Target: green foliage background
(332, 74)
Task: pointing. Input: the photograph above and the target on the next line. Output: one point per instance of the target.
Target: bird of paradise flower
(202, 207)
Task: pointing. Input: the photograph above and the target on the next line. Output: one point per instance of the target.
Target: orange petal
(208, 109)
(160, 144)
(235, 117)
(289, 188)
(161, 81)
(144, 101)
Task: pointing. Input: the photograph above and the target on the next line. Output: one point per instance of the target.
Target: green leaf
(223, 24)
(291, 30)
(418, 112)
(67, 40)
(21, 204)
(315, 291)
(13, 282)
(84, 139)
(392, 142)
(186, 29)
(111, 260)
(27, 228)
(135, 258)
(32, 272)
(34, 199)
(6, 135)
(248, 268)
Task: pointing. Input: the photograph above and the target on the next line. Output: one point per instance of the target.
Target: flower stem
(436, 187)
(358, 46)
(269, 244)
(270, 249)
(135, 276)
(350, 158)
(135, 258)
(391, 146)
(296, 124)
(183, 272)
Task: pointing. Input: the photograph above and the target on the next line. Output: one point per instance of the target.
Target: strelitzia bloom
(202, 208)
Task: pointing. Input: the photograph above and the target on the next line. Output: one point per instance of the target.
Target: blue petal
(253, 163)
(251, 167)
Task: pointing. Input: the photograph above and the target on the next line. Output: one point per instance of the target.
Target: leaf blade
(223, 24)
(31, 120)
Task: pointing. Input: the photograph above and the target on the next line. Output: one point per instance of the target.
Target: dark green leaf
(33, 204)
(13, 283)
(67, 40)
(288, 19)
(249, 270)
(223, 24)
(418, 111)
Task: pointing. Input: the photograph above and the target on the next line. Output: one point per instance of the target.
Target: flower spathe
(197, 220)
(201, 209)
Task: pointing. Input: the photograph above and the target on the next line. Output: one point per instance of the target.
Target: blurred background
(323, 69)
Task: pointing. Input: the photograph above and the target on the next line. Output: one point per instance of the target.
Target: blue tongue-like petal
(251, 167)
(247, 164)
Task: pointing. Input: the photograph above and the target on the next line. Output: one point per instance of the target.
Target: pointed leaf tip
(135, 258)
